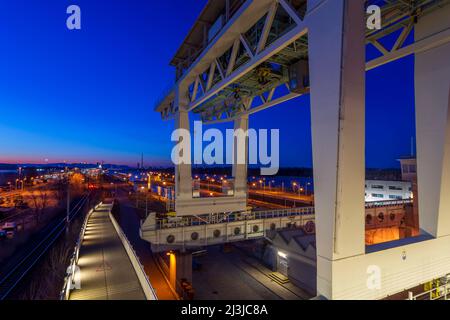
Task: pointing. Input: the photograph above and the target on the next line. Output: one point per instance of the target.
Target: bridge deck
(106, 272)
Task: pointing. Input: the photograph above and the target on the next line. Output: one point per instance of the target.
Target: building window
(412, 168)
(377, 195)
(405, 168)
(395, 188)
(377, 186)
(394, 197)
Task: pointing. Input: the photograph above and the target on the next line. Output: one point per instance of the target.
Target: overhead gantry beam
(398, 52)
(263, 53)
(203, 75)
(249, 106)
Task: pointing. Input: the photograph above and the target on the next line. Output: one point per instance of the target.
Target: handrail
(149, 292)
(39, 250)
(388, 203)
(255, 215)
(71, 269)
(244, 216)
(440, 292)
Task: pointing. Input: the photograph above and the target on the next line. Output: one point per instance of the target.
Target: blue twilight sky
(88, 95)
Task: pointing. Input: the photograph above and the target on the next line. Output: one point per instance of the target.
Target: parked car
(21, 205)
(10, 228)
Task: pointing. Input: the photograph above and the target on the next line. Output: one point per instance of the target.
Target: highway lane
(261, 198)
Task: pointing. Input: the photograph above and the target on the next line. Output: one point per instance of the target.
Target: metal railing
(72, 269)
(180, 222)
(232, 217)
(437, 292)
(440, 293)
(376, 204)
(146, 286)
(22, 267)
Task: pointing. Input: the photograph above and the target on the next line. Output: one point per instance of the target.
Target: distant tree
(43, 195)
(35, 205)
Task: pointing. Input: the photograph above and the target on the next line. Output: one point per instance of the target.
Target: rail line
(25, 263)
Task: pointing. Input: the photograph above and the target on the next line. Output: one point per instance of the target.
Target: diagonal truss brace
(261, 54)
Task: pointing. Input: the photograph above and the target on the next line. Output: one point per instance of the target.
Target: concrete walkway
(129, 221)
(106, 272)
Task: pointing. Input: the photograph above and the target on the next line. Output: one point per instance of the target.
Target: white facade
(378, 190)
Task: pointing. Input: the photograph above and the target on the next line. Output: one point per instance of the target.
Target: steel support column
(432, 85)
(183, 171)
(240, 156)
(337, 72)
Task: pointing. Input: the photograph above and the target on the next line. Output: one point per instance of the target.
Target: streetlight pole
(146, 204)
(68, 201)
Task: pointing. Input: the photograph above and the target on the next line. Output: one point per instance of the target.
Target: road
(267, 199)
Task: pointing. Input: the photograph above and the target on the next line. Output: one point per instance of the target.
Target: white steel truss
(264, 51)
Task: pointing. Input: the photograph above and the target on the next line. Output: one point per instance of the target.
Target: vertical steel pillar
(337, 73)
(432, 86)
(240, 157)
(183, 171)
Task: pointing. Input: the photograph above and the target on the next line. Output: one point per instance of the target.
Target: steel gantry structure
(246, 72)
(242, 57)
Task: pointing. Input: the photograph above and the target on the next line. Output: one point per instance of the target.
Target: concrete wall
(302, 265)
(400, 268)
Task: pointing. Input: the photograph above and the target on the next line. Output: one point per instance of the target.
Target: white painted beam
(212, 71)
(432, 90)
(337, 74)
(422, 45)
(266, 54)
(234, 53)
(267, 27)
(247, 46)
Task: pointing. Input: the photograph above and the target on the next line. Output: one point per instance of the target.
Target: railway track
(34, 251)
